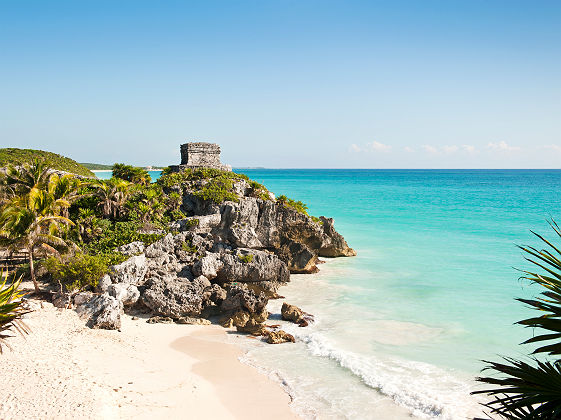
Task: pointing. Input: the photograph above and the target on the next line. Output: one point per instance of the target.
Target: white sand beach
(64, 370)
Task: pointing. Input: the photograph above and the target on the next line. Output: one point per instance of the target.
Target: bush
(117, 234)
(191, 223)
(177, 215)
(217, 190)
(246, 258)
(299, 206)
(259, 190)
(131, 174)
(188, 246)
(77, 272)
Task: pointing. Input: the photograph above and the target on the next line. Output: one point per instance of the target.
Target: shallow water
(402, 327)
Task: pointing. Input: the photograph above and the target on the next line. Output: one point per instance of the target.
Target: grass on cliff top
(16, 157)
(219, 187)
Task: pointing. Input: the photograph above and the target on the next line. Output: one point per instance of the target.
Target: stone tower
(200, 155)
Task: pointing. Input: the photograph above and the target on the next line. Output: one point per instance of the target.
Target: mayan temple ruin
(200, 155)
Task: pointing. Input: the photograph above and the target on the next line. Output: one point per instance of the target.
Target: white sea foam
(425, 390)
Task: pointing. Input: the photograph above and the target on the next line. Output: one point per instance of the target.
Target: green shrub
(217, 190)
(191, 223)
(118, 234)
(176, 215)
(246, 258)
(299, 206)
(188, 246)
(77, 272)
(131, 174)
(317, 220)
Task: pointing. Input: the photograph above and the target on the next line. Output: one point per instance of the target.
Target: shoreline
(63, 369)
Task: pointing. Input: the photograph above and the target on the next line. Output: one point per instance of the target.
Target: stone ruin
(200, 155)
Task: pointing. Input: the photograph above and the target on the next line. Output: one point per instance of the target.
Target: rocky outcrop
(295, 314)
(280, 336)
(132, 271)
(225, 259)
(134, 248)
(101, 311)
(174, 296)
(128, 294)
(294, 237)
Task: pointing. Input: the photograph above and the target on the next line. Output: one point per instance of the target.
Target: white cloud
(430, 149)
(502, 146)
(355, 148)
(408, 149)
(450, 149)
(554, 147)
(469, 148)
(379, 147)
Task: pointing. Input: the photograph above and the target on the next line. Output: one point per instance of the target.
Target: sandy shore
(66, 370)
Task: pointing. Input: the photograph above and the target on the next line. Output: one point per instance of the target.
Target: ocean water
(402, 327)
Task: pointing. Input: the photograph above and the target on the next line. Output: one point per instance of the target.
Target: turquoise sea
(402, 327)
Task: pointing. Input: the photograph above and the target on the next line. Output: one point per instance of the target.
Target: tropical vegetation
(17, 157)
(531, 389)
(71, 228)
(11, 308)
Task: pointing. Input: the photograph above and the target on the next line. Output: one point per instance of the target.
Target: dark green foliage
(131, 173)
(176, 179)
(524, 391)
(299, 206)
(116, 234)
(259, 190)
(217, 190)
(188, 246)
(176, 215)
(191, 223)
(316, 220)
(533, 390)
(17, 157)
(246, 258)
(79, 271)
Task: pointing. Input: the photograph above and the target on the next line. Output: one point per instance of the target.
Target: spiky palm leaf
(550, 302)
(533, 391)
(525, 391)
(11, 309)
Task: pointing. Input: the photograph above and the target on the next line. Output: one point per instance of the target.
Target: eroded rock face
(131, 271)
(295, 314)
(239, 297)
(134, 248)
(280, 336)
(128, 294)
(293, 236)
(102, 311)
(174, 296)
(251, 266)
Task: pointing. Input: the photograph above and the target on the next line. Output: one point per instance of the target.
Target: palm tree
(65, 188)
(112, 195)
(19, 180)
(532, 390)
(32, 221)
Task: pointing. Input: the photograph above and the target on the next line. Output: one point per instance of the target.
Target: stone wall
(200, 155)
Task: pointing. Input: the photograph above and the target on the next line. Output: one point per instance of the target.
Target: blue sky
(349, 84)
